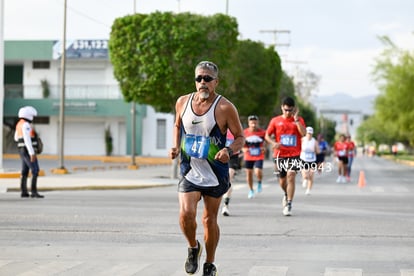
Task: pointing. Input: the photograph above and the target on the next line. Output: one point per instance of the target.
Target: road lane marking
(407, 272)
(50, 268)
(268, 270)
(329, 271)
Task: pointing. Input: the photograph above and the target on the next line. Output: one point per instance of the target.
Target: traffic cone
(361, 180)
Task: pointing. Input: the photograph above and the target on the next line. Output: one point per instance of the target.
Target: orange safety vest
(19, 130)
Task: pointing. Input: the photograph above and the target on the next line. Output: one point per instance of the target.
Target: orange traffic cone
(361, 180)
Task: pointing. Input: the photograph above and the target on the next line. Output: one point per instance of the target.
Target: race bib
(342, 152)
(197, 146)
(255, 151)
(288, 140)
(309, 155)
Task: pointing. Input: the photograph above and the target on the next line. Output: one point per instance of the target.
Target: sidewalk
(95, 173)
(86, 172)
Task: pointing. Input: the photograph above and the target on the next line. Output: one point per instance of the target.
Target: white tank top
(308, 153)
(198, 139)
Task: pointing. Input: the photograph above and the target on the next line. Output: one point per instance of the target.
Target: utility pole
(227, 7)
(275, 33)
(1, 80)
(61, 169)
(133, 165)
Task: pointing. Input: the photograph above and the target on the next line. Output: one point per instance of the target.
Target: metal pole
(227, 7)
(62, 93)
(1, 80)
(133, 130)
(133, 122)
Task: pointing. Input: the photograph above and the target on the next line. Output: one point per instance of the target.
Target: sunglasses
(288, 110)
(206, 78)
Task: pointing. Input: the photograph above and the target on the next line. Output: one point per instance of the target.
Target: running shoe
(225, 211)
(304, 183)
(259, 187)
(193, 259)
(339, 179)
(209, 269)
(251, 194)
(307, 192)
(284, 201)
(287, 210)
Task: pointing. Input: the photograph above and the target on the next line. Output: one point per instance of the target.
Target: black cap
(252, 117)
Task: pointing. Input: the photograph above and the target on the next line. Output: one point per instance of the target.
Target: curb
(400, 161)
(14, 174)
(84, 188)
(121, 162)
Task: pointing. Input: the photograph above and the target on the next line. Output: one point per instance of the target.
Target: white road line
(50, 268)
(407, 272)
(268, 270)
(124, 269)
(329, 271)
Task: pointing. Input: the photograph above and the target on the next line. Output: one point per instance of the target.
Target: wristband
(230, 151)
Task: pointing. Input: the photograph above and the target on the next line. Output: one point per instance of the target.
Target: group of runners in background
(306, 156)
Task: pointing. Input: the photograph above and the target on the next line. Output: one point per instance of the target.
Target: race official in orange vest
(24, 136)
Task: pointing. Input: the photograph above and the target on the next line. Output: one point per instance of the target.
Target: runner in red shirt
(351, 155)
(287, 130)
(341, 152)
(254, 153)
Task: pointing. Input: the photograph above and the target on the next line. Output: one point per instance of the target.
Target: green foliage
(252, 79)
(287, 89)
(45, 88)
(327, 129)
(308, 115)
(108, 141)
(394, 108)
(154, 55)
(373, 130)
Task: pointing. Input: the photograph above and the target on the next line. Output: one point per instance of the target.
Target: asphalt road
(340, 229)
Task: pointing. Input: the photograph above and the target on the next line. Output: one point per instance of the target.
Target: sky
(336, 40)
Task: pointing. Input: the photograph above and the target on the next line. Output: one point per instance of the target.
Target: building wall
(93, 102)
(150, 133)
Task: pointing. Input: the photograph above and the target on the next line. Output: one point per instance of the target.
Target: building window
(161, 133)
(41, 64)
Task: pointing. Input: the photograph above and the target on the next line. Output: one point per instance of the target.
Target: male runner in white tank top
(201, 122)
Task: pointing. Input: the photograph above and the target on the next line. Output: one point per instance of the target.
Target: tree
(327, 129)
(394, 107)
(308, 114)
(154, 55)
(252, 79)
(373, 130)
(287, 88)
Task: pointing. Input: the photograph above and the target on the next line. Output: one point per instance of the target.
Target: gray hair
(208, 65)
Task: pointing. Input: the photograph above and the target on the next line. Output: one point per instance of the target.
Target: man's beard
(204, 95)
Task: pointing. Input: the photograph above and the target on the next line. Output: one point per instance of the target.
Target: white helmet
(27, 112)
